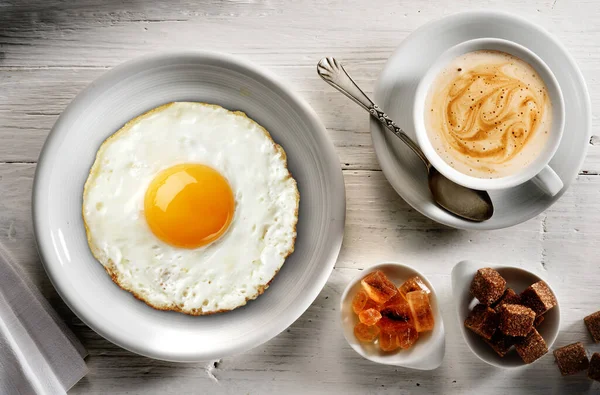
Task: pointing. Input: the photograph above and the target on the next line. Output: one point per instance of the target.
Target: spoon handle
(335, 75)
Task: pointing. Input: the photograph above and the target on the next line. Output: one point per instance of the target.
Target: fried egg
(191, 207)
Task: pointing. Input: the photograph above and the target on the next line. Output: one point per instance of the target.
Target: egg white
(224, 274)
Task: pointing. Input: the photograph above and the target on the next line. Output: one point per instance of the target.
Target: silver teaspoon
(463, 202)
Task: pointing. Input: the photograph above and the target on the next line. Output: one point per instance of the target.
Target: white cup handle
(548, 181)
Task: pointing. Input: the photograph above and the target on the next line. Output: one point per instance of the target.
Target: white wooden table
(51, 49)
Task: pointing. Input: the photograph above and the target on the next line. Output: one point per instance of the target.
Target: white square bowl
(516, 278)
(428, 351)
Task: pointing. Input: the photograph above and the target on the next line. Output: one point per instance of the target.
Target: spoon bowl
(470, 203)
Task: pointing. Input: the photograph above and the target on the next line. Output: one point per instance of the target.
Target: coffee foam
(488, 114)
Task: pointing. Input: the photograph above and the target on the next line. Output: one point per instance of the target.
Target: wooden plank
(51, 49)
(31, 101)
(380, 227)
(298, 32)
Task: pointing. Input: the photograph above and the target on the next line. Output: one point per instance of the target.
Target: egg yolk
(189, 205)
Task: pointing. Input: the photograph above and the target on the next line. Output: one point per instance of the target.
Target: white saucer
(395, 91)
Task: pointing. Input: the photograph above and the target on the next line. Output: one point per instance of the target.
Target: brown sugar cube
(482, 320)
(379, 287)
(571, 359)
(594, 370)
(516, 320)
(487, 286)
(501, 343)
(509, 297)
(532, 347)
(538, 298)
(592, 322)
(538, 321)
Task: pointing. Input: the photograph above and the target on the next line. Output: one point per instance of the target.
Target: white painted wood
(50, 50)
(32, 99)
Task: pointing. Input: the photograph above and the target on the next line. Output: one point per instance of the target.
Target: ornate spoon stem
(334, 74)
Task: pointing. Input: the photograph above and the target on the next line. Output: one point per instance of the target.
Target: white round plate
(396, 88)
(129, 90)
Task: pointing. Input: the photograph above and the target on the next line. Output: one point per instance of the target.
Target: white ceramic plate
(428, 351)
(129, 90)
(516, 278)
(396, 88)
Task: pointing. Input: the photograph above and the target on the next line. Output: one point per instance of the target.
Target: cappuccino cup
(489, 115)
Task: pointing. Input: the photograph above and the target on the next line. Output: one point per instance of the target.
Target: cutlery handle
(335, 75)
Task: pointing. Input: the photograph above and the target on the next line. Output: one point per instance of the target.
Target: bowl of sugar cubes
(509, 316)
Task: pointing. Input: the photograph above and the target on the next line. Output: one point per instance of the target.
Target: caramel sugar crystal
(396, 299)
(371, 304)
(483, 320)
(413, 284)
(388, 341)
(391, 315)
(421, 310)
(366, 333)
(532, 347)
(359, 301)
(369, 316)
(402, 334)
(379, 287)
(406, 336)
(516, 320)
(538, 297)
(487, 286)
(571, 359)
(398, 323)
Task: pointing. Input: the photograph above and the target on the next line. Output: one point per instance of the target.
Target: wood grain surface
(50, 50)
